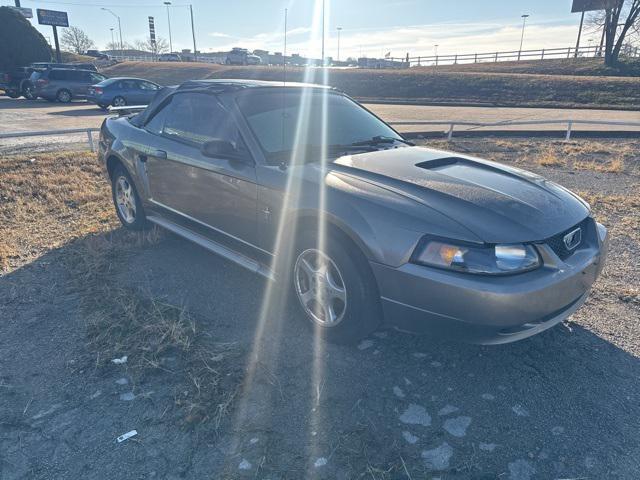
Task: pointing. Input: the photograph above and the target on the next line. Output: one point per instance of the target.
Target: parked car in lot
(73, 66)
(16, 83)
(241, 56)
(169, 57)
(64, 85)
(121, 91)
(97, 54)
(303, 185)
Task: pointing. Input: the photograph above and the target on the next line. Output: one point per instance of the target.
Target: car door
(220, 193)
(147, 91)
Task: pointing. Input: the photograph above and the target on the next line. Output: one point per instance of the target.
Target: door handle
(159, 154)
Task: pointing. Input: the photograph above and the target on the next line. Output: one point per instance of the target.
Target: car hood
(498, 204)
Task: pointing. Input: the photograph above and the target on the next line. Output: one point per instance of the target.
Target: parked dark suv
(64, 85)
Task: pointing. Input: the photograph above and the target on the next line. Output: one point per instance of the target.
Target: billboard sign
(52, 17)
(591, 5)
(26, 12)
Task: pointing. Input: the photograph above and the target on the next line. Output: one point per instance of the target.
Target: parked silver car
(63, 84)
(301, 184)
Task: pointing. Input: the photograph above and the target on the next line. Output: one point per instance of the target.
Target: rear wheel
(28, 92)
(126, 200)
(63, 96)
(119, 102)
(335, 288)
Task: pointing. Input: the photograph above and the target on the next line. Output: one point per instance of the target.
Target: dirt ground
(223, 381)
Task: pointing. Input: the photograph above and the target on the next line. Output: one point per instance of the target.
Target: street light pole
(169, 22)
(112, 41)
(193, 33)
(524, 21)
(119, 29)
(339, 30)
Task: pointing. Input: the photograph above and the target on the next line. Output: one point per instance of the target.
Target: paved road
(23, 115)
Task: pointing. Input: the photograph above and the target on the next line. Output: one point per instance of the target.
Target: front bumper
(492, 309)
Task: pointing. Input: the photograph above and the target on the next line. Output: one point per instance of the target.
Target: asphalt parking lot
(562, 405)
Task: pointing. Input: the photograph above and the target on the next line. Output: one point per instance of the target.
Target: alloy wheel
(119, 102)
(125, 199)
(320, 288)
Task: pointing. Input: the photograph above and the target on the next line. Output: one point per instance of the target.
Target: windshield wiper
(379, 139)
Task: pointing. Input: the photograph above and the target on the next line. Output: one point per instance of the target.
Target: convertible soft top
(215, 86)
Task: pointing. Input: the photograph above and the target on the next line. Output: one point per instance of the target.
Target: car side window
(148, 86)
(156, 124)
(197, 118)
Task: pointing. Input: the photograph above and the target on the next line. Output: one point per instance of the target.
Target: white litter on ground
(457, 426)
(253, 440)
(120, 361)
(419, 355)
(521, 470)
(557, 430)
(447, 410)
(122, 381)
(397, 391)
(487, 447)
(244, 465)
(416, 415)
(409, 437)
(380, 334)
(126, 436)
(407, 381)
(127, 397)
(487, 396)
(96, 394)
(320, 462)
(520, 411)
(438, 458)
(364, 344)
(436, 364)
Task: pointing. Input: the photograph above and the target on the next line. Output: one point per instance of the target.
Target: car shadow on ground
(563, 404)
(79, 112)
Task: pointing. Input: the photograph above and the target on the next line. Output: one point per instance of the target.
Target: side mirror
(222, 149)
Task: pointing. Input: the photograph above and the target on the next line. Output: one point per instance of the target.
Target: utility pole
(323, 33)
(169, 22)
(18, 3)
(339, 30)
(575, 55)
(113, 43)
(193, 33)
(119, 29)
(524, 21)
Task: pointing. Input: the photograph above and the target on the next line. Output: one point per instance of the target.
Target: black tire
(139, 221)
(103, 107)
(63, 95)
(118, 101)
(28, 92)
(362, 314)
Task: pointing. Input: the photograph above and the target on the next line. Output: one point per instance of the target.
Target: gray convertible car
(301, 184)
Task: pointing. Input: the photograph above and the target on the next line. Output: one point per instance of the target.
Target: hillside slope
(420, 86)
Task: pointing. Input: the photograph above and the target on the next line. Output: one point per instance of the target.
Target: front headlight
(491, 259)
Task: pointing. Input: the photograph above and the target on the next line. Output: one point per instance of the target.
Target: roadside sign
(26, 12)
(152, 31)
(591, 5)
(52, 17)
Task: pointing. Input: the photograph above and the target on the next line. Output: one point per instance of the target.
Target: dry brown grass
(47, 200)
(63, 199)
(549, 158)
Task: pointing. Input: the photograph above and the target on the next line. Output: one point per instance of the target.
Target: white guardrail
(452, 124)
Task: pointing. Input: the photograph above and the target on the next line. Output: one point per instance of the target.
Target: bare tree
(76, 40)
(116, 46)
(620, 25)
(156, 48)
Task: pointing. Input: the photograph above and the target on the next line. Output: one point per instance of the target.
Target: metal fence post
(450, 133)
(542, 57)
(496, 57)
(90, 138)
(569, 125)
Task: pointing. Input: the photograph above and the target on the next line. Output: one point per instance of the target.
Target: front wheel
(335, 288)
(63, 96)
(126, 200)
(29, 93)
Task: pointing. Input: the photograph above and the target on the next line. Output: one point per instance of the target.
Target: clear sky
(369, 27)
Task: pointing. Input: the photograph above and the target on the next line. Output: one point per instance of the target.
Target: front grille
(557, 241)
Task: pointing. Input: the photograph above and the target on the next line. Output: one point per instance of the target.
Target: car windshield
(289, 121)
